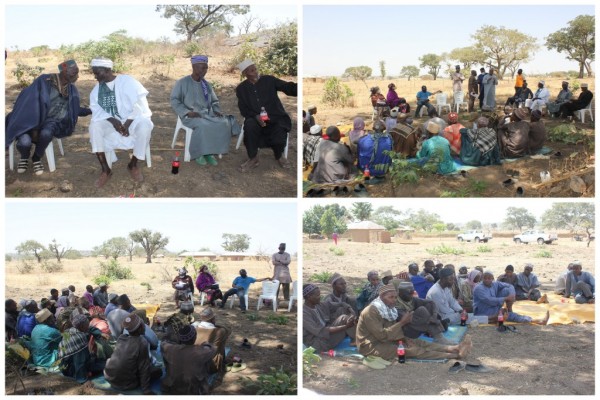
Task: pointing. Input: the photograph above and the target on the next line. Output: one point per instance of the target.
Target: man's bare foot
(248, 165)
(136, 173)
(465, 347)
(545, 320)
(591, 301)
(284, 163)
(543, 299)
(104, 177)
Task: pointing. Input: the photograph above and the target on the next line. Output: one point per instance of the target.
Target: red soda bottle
(463, 318)
(401, 353)
(264, 117)
(175, 164)
(366, 172)
(500, 318)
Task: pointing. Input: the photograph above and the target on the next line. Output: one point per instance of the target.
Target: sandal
(22, 166)
(246, 344)
(237, 367)
(248, 165)
(457, 367)
(38, 168)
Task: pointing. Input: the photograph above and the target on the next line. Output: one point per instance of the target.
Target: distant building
(367, 232)
(200, 255)
(233, 256)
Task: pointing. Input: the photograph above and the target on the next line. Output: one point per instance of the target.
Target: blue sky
(189, 225)
(337, 37)
(33, 25)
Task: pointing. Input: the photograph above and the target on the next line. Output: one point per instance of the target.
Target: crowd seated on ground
(389, 308)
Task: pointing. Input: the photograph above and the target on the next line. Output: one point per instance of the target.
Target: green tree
(432, 62)
(281, 55)
(192, 19)
(335, 93)
(422, 220)
(131, 248)
(382, 68)
(519, 218)
(451, 227)
(150, 241)
(578, 41)
(362, 210)
(360, 73)
(31, 247)
(474, 224)
(386, 216)
(572, 216)
(311, 220)
(237, 242)
(467, 56)
(503, 46)
(57, 250)
(438, 227)
(409, 71)
(115, 247)
(331, 223)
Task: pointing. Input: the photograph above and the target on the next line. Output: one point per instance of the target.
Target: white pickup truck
(531, 236)
(474, 236)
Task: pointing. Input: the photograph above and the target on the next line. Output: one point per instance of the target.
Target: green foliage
(147, 285)
(150, 241)
(572, 216)
(163, 60)
(281, 56)
(322, 277)
(98, 279)
(192, 48)
(7, 258)
(192, 264)
(26, 74)
(443, 249)
(39, 51)
(360, 73)
(25, 267)
(409, 71)
(474, 224)
(484, 249)
(278, 382)
(51, 266)
(235, 242)
(433, 64)
(335, 93)
(309, 359)
(115, 271)
(362, 210)
(422, 220)
(402, 171)
(73, 254)
(543, 254)
(246, 51)
(277, 319)
(567, 133)
(253, 317)
(518, 218)
(338, 251)
(31, 247)
(114, 47)
(577, 41)
(386, 216)
(474, 188)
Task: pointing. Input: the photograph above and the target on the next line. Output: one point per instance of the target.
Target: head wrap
(453, 117)
(311, 107)
(386, 289)
(315, 129)
(471, 277)
(542, 82)
(79, 321)
(444, 272)
(584, 85)
(576, 263)
(482, 122)
(394, 112)
(112, 296)
(387, 273)
(66, 64)
(207, 314)
(433, 128)
(186, 306)
(406, 285)
(103, 284)
(520, 113)
(528, 265)
(372, 273)
(43, 315)
(308, 289)
(101, 62)
(199, 60)
(132, 322)
(245, 64)
(334, 278)
(187, 334)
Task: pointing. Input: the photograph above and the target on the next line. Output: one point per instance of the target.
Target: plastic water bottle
(339, 353)
(264, 117)
(463, 318)
(500, 318)
(366, 172)
(401, 353)
(175, 164)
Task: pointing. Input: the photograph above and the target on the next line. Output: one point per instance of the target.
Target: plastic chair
(269, 292)
(148, 157)
(582, 112)
(294, 295)
(202, 298)
(459, 100)
(235, 296)
(49, 155)
(188, 139)
(241, 138)
(440, 103)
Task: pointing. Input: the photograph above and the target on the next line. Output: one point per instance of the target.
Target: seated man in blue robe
(47, 108)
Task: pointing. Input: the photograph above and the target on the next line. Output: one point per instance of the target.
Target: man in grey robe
(194, 100)
(489, 89)
(563, 97)
(528, 284)
(335, 159)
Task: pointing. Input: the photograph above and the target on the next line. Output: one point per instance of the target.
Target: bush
(7, 258)
(484, 249)
(192, 264)
(278, 382)
(192, 48)
(281, 56)
(309, 359)
(25, 267)
(335, 93)
(113, 46)
(322, 277)
(338, 251)
(72, 255)
(246, 50)
(402, 171)
(543, 254)
(98, 279)
(51, 266)
(147, 285)
(253, 317)
(115, 271)
(277, 319)
(443, 249)
(39, 51)
(26, 74)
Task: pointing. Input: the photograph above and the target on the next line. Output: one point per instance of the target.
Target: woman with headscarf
(369, 291)
(205, 282)
(452, 133)
(393, 100)
(317, 330)
(479, 146)
(183, 285)
(466, 287)
(439, 148)
(358, 131)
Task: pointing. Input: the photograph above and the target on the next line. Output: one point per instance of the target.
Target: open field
(264, 337)
(575, 157)
(539, 360)
(80, 168)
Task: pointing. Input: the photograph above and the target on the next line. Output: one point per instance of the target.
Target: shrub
(7, 258)
(115, 271)
(443, 249)
(192, 48)
(72, 255)
(39, 51)
(253, 317)
(403, 171)
(25, 267)
(246, 50)
(281, 56)
(484, 249)
(26, 74)
(309, 359)
(147, 285)
(98, 279)
(278, 382)
(277, 319)
(335, 93)
(322, 277)
(192, 264)
(51, 266)
(338, 251)
(543, 254)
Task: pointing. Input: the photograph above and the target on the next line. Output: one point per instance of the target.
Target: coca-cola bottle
(264, 117)
(463, 318)
(366, 172)
(501, 318)
(175, 164)
(401, 353)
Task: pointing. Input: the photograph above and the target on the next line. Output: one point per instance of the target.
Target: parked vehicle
(474, 236)
(530, 236)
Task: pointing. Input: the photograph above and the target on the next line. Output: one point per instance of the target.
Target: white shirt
(447, 304)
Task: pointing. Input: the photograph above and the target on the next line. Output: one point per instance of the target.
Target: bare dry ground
(80, 168)
(575, 157)
(265, 338)
(539, 360)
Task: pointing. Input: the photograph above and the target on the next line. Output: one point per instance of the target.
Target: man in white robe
(490, 81)
(120, 119)
(281, 270)
(540, 97)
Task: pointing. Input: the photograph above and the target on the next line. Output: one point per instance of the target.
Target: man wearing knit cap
(281, 270)
(207, 330)
(381, 326)
(582, 101)
(266, 122)
(120, 119)
(113, 303)
(437, 146)
(47, 108)
(563, 97)
(441, 295)
(129, 367)
(195, 102)
(44, 339)
(541, 97)
(338, 302)
(513, 136)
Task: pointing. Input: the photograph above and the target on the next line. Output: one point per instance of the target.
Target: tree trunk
(148, 258)
(580, 70)
(39, 258)
(588, 68)
(189, 36)
(130, 257)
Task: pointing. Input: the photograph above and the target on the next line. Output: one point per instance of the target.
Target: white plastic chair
(441, 102)
(202, 298)
(241, 138)
(188, 139)
(49, 155)
(581, 113)
(148, 157)
(294, 296)
(269, 292)
(235, 296)
(459, 100)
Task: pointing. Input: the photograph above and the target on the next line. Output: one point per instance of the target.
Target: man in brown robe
(537, 132)
(513, 137)
(208, 331)
(338, 301)
(473, 90)
(404, 137)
